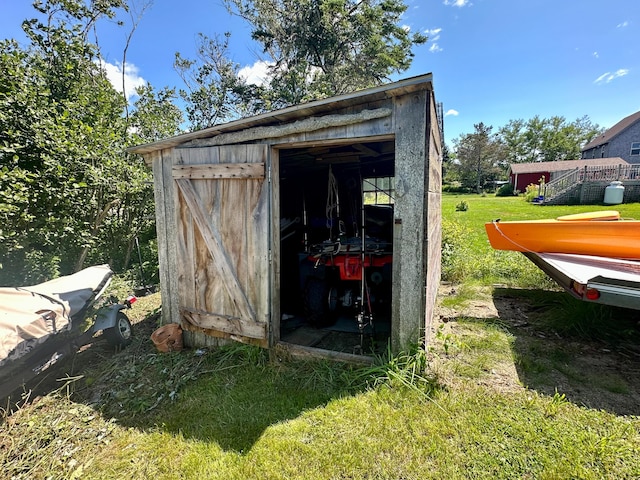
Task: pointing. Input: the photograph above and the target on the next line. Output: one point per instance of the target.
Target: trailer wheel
(120, 334)
(319, 302)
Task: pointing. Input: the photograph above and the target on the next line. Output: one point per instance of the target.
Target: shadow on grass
(589, 352)
(229, 396)
(234, 407)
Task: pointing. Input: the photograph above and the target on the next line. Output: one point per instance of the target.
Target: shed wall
(411, 120)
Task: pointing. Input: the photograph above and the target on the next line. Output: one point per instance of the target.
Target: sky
(492, 60)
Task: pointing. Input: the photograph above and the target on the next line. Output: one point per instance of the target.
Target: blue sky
(492, 60)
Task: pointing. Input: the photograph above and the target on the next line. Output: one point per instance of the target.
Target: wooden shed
(315, 228)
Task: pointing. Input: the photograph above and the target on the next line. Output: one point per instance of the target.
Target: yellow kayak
(602, 234)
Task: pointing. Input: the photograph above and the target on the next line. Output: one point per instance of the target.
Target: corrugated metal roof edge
(289, 113)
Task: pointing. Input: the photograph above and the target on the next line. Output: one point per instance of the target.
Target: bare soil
(596, 373)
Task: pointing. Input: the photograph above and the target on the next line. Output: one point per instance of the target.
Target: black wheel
(120, 334)
(320, 302)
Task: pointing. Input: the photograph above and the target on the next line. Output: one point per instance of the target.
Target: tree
(319, 48)
(214, 90)
(155, 115)
(479, 156)
(68, 192)
(313, 49)
(59, 112)
(546, 140)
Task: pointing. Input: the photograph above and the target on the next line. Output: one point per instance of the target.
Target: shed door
(223, 241)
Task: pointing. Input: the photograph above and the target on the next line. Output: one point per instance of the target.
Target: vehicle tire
(120, 334)
(319, 302)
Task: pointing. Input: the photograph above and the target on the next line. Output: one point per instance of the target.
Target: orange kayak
(602, 234)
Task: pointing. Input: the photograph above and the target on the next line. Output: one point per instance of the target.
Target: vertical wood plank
(409, 256)
(434, 217)
(274, 267)
(155, 159)
(257, 238)
(233, 217)
(171, 212)
(205, 286)
(185, 242)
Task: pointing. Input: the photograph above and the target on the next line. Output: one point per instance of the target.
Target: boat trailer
(609, 281)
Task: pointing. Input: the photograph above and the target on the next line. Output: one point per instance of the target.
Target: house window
(379, 190)
(635, 148)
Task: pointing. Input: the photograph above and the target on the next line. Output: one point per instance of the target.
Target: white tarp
(30, 315)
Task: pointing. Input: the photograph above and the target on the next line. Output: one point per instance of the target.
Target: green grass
(387, 433)
(242, 415)
(467, 254)
(238, 413)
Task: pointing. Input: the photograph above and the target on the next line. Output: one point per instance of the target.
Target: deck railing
(591, 173)
(609, 173)
(561, 184)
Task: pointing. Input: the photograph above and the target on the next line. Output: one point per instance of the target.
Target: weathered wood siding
(216, 237)
(434, 216)
(216, 212)
(410, 207)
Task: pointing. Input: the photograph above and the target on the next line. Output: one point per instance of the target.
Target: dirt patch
(595, 373)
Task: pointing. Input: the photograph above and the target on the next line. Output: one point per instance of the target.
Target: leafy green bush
(505, 190)
(455, 187)
(462, 206)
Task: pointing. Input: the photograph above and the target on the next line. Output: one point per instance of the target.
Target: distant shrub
(456, 187)
(462, 206)
(531, 192)
(505, 190)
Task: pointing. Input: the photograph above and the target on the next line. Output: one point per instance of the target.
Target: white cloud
(256, 74)
(608, 76)
(131, 78)
(451, 111)
(595, 54)
(457, 3)
(623, 24)
(433, 34)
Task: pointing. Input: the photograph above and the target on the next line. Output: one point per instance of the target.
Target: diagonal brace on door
(213, 241)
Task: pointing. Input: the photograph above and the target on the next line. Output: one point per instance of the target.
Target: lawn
(467, 255)
(500, 393)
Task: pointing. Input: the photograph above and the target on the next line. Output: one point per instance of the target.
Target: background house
(622, 140)
(523, 174)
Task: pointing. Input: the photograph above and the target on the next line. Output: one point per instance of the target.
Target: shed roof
(560, 165)
(613, 131)
(294, 112)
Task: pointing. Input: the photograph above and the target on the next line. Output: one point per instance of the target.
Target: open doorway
(336, 246)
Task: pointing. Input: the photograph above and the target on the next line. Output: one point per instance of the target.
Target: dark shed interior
(336, 211)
